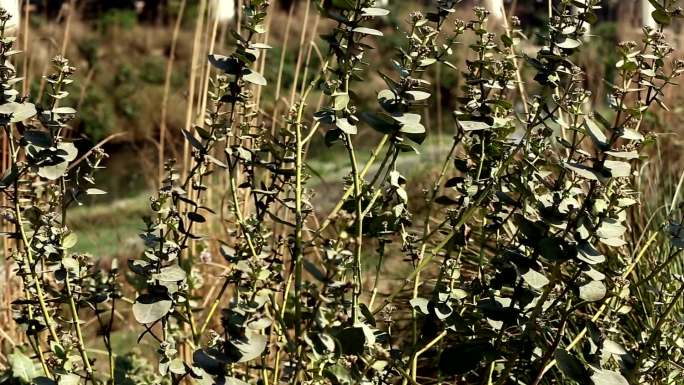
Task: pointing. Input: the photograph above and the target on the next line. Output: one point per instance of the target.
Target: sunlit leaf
(608, 377)
(170, 274)
(372, 12)
(367, 31)
(150, 308)
(592, 291)
(255, 78)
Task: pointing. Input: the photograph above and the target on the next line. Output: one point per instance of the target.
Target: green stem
(359, 229)
(214, 306)
(298, 236)
(27, 246)
(79, 334)
(374, 155)
(655, 334)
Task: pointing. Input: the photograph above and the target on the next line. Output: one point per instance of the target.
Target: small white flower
(205, 256)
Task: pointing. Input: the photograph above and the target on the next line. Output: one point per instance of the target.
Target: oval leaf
(148, 308)
(593, 291)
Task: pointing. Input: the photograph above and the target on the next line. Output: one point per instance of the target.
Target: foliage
(519, 268)
(114, 19)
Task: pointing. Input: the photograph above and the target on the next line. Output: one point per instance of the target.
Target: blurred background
(141, 68)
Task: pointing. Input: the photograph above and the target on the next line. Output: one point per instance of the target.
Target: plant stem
(27, 246)
(655, 334)
(359, 229)
(298, 235)
(328, 219)
(79, 334)
(214, 306)
(426, 230)
(414, 359)
(603, 307)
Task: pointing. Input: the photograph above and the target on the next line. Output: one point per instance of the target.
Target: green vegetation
(330, 238)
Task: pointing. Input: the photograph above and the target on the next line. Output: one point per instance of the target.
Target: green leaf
(462, 358)
(352, 340)
(18, 112)
(70, 264)
(70, 152)
(38, 138)
(588, 253)
(69, 379)
(254, 78)
(535, 279)
(367, 31)
(259, 46)
(412, 128)
(347, 5)
(173, 273)
(427, 61)
(608, 377)
(569, 43)
(596, 133)
(662, 17)
(228, 65)
(593, 291)
(42, 380)
(251, 347)
(508, 42)
(677, 233)
(418, 95)
(373, 12)
(195, 217)
(192, 139)
(53, 172)
(610, 228)
(234, 381)
(341, 100)
(582, 170)
(64, 111)
(380, 122)
(338, 374)
(22, 367)
(618, 169)
(410, 123)
(332, 136)
(149, 308)
(139, 266)
(624, 154)
(346, 127)
(420, 304)
(571, 366)
(631, 134)
(69, 241)
(471, 125)
(314, 270)
(614, 242)
(95, 191)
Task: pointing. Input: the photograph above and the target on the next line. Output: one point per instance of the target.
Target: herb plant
(521, 265)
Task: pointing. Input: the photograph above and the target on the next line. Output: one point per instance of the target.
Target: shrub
(520, 262)
(117, 18)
